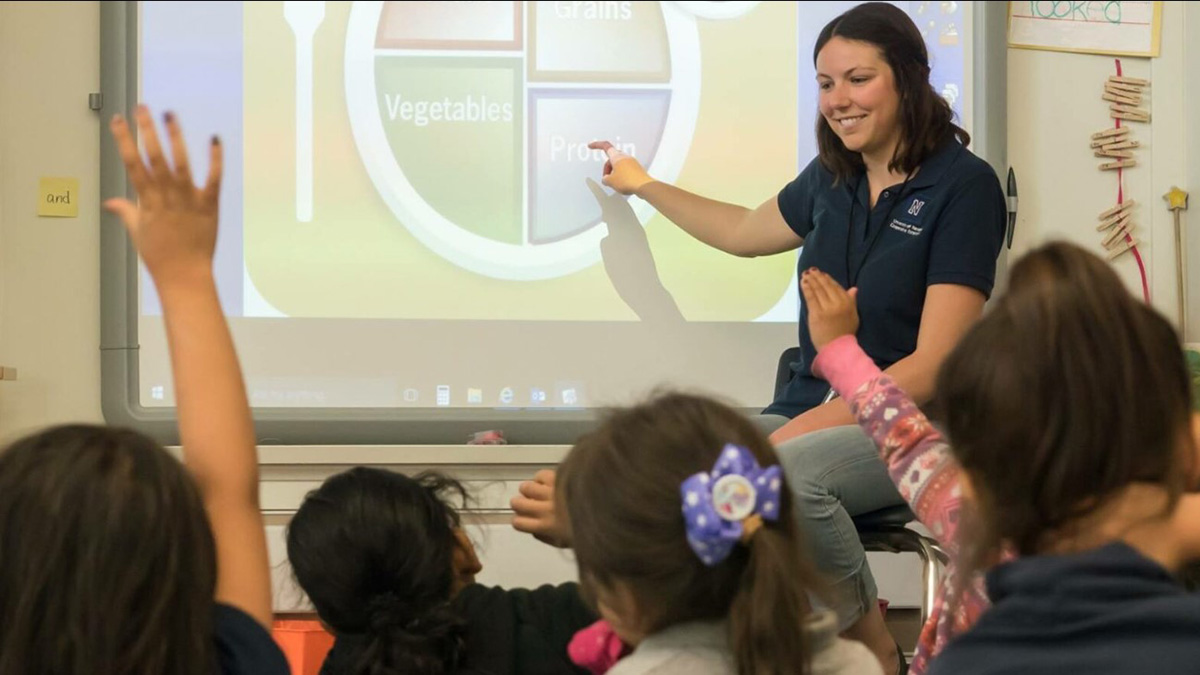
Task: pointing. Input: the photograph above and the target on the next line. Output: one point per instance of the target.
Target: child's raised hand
(173, 225)
(831, 308)
(535, 511)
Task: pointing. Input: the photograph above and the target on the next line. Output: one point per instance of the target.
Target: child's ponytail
(772, 595)
(398, 643)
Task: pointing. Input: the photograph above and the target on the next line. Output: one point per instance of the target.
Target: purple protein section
(190, 62)
(559, 201)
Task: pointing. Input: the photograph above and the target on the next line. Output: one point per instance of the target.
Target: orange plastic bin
(304, 642)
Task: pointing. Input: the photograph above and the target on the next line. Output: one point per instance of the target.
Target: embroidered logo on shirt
(907, 228)
(915, 207)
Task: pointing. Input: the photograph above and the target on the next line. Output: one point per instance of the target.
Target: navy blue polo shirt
(943, 226)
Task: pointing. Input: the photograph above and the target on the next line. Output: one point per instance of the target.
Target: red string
(1120, 199)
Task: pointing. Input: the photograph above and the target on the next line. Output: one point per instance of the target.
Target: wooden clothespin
(1128, 81)
(1119, 208)
(1129, 114)
(1125, 227)
(1123, 89)
(1177, 201)
(1119, 164)
(1109, 95)
(1111, 133)
(1128, 109)
(1114, 221)
(1123, 247)
(1119, 89)
(1120, 145)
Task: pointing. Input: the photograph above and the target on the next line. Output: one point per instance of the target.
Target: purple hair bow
(716, 503)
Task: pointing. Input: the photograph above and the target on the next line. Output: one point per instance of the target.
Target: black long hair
(373, 550)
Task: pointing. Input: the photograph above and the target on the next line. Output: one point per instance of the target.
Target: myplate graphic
(473, 118)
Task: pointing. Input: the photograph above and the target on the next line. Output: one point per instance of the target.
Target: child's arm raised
(535, 511)
(917, 457)
(174, 228)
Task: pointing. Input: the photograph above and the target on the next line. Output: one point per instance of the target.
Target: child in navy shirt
(114, 557)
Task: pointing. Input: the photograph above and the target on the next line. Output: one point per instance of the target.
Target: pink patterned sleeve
(917, 456)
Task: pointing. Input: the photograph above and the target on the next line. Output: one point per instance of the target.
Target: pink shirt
(919, 461)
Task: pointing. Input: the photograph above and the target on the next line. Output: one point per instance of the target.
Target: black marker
(1012, 205)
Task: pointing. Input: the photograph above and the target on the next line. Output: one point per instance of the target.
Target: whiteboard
(540, 362)
(1111, 27)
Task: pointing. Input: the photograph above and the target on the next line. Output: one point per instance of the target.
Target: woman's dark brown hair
(107, 562)
(1067, 391)
(926, 119)
(620, 488)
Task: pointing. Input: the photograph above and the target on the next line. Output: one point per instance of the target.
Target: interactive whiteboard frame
(325, 427)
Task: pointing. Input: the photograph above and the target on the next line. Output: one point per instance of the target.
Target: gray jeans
(836, 474)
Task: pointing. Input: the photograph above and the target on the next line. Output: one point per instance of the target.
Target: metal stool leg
(930, 575)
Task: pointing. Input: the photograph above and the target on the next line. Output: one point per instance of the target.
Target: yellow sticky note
(58, 197)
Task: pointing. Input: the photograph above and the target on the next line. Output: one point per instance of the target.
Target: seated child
(114, 557)
(685, 540)
(1073, 475)
(385, 561)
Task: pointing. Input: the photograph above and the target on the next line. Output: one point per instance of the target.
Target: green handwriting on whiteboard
(1102, 12)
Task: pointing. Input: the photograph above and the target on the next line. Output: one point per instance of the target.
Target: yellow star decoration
(1176, 199)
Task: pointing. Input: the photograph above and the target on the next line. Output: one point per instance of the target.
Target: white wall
(1190, 84)
(49, 297)
(49, 267)
(1054, 106)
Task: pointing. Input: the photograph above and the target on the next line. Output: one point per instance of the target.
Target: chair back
(783, 371)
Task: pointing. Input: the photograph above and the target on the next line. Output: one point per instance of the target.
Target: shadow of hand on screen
(629, 262)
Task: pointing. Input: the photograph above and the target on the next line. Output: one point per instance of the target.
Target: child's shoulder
(845, 657)
(561, 598)
(833, 655)
(244, 646)
(696, 648)
(533, 626)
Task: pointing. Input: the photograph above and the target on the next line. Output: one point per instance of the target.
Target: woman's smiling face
(858, 97)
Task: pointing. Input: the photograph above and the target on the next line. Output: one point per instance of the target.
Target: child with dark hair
(683, 531)
(385, 561)
(1069, 417)
(114, 557)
